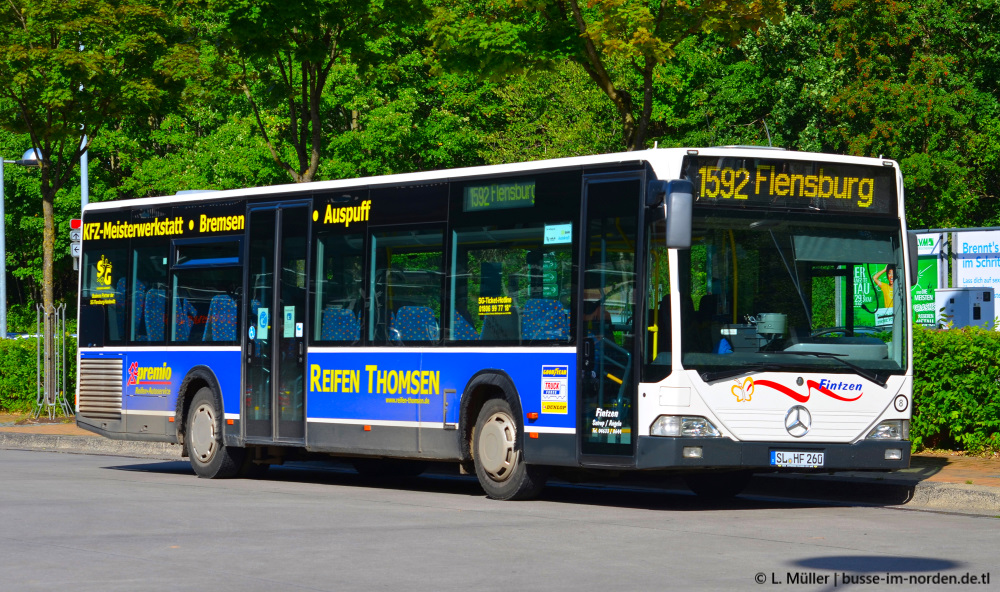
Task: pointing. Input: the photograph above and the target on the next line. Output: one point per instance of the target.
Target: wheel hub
(202, 433)
(497, 453)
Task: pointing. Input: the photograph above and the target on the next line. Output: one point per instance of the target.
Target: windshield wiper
(863, 372)
(738, 371)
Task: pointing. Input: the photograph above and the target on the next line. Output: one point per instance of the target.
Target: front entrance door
(274, 350)
(608, 323)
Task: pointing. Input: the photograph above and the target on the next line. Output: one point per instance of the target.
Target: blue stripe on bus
(387, 386)
(410, 386)
(151, 379)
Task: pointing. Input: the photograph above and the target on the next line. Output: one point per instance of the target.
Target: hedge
(956, 392)
(18, 374)
(956, 386)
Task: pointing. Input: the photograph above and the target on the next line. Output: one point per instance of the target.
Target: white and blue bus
(715, 311)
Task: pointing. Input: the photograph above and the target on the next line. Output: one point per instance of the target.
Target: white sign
(929, 244)
(558, 234)
(555, 389)
(977, 259)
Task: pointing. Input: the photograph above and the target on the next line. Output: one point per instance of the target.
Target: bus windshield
(816, 292)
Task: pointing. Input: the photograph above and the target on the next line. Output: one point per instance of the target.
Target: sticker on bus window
(555, 389)
(558, 234)
(103, 293)
(289, 325)
(495, 305)
(263, 323)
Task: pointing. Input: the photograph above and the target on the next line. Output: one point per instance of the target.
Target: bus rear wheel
(497, 454)
(210, 457)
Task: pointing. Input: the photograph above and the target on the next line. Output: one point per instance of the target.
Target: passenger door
(608, 317)
(274, 346)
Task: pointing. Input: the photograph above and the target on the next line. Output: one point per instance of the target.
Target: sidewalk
(62, 435)
(950, 482)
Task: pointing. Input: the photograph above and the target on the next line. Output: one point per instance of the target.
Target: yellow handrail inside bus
(736, 274)
(655, 329)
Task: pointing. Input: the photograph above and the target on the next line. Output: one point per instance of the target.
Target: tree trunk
(48, 299)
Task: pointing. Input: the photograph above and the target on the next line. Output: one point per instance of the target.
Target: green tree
(618, 43)
(396, 116)
(922, 88)
(69, 67)
(66, 69)
(285, 57)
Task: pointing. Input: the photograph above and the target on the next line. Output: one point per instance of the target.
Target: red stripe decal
(783, 389)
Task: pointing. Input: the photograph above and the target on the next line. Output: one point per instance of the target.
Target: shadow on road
(656, 492)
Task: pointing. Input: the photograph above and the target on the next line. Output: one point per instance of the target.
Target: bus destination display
(499, 196)
(795, 184)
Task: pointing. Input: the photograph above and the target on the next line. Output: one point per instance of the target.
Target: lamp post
(29, 159)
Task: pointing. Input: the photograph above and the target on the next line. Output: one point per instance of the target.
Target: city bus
(714, 312)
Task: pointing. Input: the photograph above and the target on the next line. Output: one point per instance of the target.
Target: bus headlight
(683, 426)
(891, 429)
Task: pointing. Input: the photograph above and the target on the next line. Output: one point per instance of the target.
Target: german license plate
(785, 458)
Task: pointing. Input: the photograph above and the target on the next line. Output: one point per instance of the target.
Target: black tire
(210, 457)
(718, 485)
(497, 445)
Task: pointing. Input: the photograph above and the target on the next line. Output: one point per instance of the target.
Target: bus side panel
(411, 401)
(150, 383)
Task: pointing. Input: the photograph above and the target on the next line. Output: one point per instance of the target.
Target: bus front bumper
(664, 453)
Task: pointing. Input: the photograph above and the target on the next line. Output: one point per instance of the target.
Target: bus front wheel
(497, 453)
(210, 457)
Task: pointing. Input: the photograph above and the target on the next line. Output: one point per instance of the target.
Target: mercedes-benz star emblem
(797, 421)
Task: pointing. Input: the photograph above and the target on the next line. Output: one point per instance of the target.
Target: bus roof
(665, 163)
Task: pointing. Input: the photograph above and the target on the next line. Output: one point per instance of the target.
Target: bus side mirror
(678, 197)
(911, 238)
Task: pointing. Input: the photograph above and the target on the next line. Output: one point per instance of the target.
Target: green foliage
(18, 374)
(619, 44)
(956, 389)
(67, 69)
(290, 58)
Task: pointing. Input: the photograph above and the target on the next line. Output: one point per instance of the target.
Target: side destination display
(793, 184)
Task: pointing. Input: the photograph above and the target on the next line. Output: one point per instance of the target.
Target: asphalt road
(100, 523)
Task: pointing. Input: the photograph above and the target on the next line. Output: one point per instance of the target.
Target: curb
(955, 497)
(922, 495)
(89, 445)
(848, 489)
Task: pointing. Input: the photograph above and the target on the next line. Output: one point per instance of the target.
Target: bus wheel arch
(201, 427)
(483, 386)
(197, 378)
(493, 439)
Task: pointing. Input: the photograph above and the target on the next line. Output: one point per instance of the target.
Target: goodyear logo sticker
(555, 389)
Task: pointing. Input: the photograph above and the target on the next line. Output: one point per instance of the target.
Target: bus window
(338, 294)
(149, 289)
(658, 320)
(406, 285)
(104, 292)
(206, 305)
(512, 285)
